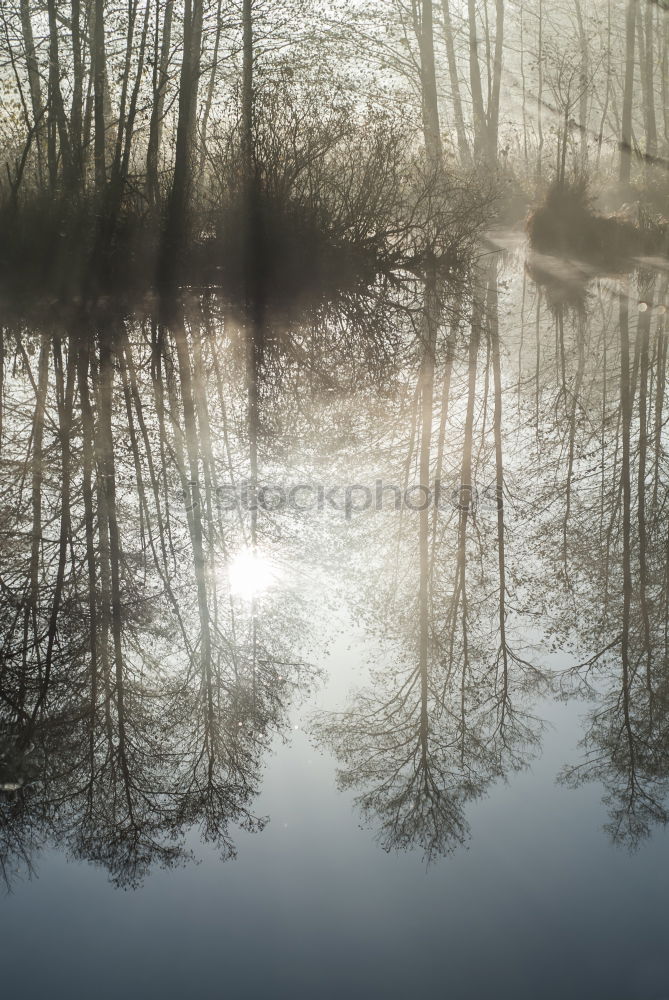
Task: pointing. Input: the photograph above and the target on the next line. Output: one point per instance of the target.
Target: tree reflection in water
(571, 557)
(140, 691)
(139, 694)
(451, 716)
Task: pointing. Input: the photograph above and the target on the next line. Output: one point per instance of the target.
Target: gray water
(341, 751)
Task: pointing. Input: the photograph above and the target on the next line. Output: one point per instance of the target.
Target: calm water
(335, 648)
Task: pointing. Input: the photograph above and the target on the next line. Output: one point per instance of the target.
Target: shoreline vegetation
(297, 155)
(325, 218)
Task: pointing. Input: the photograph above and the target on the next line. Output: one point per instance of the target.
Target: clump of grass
(567, 223)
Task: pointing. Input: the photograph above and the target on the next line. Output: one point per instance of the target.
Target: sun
(250, 574)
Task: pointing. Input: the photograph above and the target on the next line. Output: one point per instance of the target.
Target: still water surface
(354, 739)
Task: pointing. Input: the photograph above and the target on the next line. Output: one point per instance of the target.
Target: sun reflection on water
(251, 574)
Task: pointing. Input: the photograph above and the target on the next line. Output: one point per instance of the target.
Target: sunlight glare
(250, 574)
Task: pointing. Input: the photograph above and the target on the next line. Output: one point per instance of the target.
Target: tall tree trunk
(160, 80)
(210, 89)
(254, 292)
(493, 109)
(478, 111)
(58, 139)
(247, 92)
(540, 89)
(583, 84)
(463, 144)
(607, 92)
(182, 182)
(626, 130)
(76, 115)
(126, 129)
(665, 77)
(431, 129)
(523, 82)
(34, 84)
(648, 77)
(98, 67)
(125, 84)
